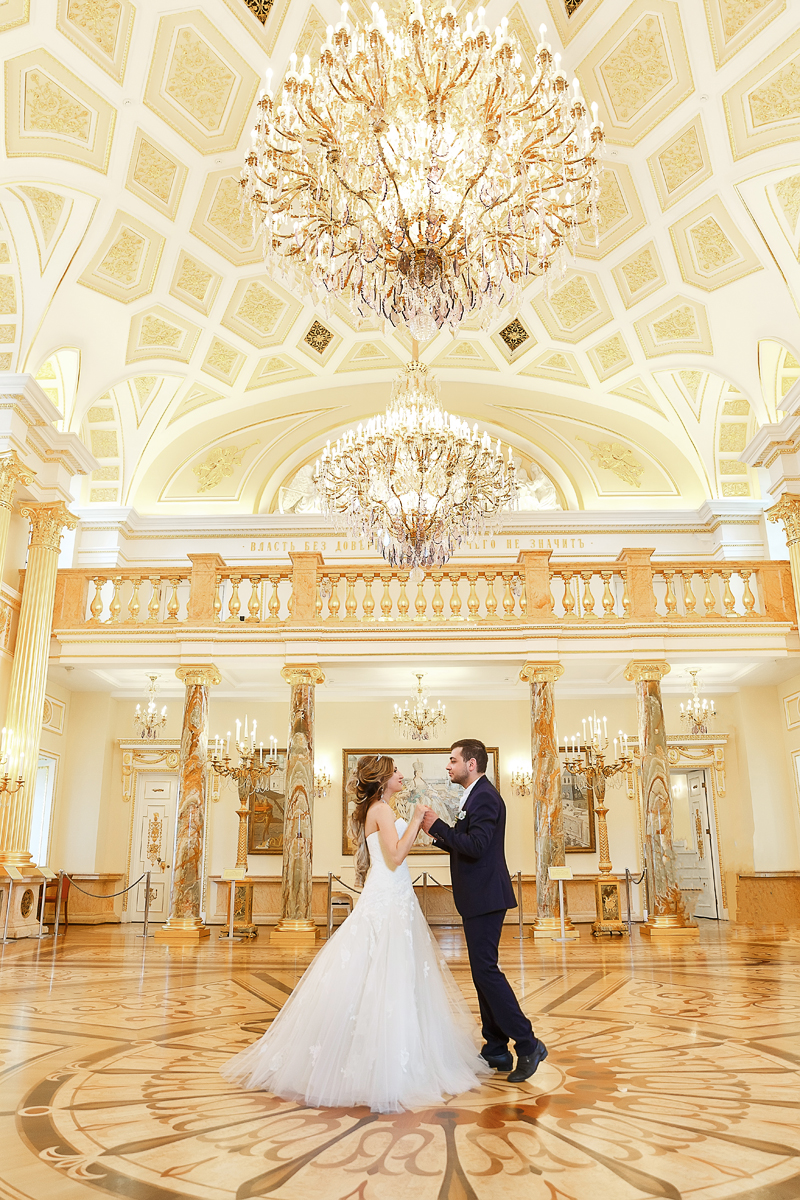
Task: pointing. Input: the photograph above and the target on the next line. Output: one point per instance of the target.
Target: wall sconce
(521, 780)
(322, 781)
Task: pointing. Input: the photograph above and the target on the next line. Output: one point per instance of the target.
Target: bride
(377, 1019)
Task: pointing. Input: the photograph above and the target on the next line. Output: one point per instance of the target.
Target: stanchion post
(561, 907)
(521, 935)
(330, 904)
(57, 921)
(628, 899)
(146, 921)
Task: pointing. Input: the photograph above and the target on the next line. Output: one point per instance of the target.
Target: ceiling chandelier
(417, 174)
(419, 721)
(416, 482)
(148, 724)
(697, 714)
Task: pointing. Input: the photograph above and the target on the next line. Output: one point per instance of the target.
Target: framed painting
(265, 822)
(424, 778)
(577, 807)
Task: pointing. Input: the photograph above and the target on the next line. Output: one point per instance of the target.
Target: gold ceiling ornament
(419, 721)
(416, 482)
(417, 174)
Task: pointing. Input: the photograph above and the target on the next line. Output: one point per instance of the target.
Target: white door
(42, 815)
(693, 840)
(153, 841)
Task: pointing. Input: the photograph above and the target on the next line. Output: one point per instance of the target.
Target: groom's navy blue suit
(482, 893)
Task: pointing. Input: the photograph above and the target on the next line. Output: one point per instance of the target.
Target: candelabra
(595, 770)
(7, 788)
(255, 766)
(322, 781)
(521, 780)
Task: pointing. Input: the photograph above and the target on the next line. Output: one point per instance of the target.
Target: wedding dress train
(377, 1019)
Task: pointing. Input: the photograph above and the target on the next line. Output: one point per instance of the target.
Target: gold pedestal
(243, 925)
(294, 934)
(671, 928)
(608, 907)
(182, 931)
(548, 928)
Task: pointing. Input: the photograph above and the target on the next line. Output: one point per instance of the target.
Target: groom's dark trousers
(482, 893)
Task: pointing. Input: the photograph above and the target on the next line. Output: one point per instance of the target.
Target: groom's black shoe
(500, 1062)
(528, 1063)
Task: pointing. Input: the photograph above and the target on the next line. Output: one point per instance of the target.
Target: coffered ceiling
(132, 287)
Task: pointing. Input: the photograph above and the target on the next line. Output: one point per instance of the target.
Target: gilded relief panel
(732, 23)
(126, 263)
(277, 368)
(621, 213)
(199, 84)
(51, 113)
(101, 29)
(639, 71)
(639, 275)
(610, 356)
(194, 283)
(223, 361)
(711, 251)
(158, 333)
(575, 307)
(261, 315)
(680, 165)
(556, 364)
(680, 326)
(14, 12)
(220, 223)
(763, 108)
(155, 175)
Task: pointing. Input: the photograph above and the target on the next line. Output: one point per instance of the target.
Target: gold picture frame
(577, 813)
(425, 778)
(265, 819)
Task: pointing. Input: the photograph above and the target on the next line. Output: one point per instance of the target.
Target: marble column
(296, 926)
(12, 472)
(185, 925)
(667, 919)
(546, 789)
(29, 674)
(787, 510)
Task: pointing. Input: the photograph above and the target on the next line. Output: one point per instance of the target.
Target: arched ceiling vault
(131, 287)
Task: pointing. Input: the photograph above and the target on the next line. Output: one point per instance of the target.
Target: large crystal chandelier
(417, 174)
(698, 714)
(419, 721)
(148, 724)
(416, 482)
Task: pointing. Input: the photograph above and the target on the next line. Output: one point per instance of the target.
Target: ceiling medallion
(416, 173)
(419, 721)
(416, 482)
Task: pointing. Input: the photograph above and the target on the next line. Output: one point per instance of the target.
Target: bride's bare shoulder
(379, 816)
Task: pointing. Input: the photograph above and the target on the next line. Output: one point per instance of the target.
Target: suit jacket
(478, 871)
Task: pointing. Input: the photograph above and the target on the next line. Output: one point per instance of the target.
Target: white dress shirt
(466, 793)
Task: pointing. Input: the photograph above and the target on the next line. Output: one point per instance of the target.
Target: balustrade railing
(533, 590)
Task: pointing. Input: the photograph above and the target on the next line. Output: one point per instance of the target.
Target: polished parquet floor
(672, 1073)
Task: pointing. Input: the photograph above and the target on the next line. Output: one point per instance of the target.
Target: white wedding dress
(377, 1019)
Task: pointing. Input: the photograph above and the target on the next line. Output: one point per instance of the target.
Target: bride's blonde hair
(372, 773)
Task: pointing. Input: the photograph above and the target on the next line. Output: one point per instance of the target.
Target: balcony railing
(532, 591)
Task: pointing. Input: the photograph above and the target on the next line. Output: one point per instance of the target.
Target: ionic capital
(48, 521)
(202, 676)
(12, 472)
(787, 510)
(303, 673)
(641, 672)
(534, 672)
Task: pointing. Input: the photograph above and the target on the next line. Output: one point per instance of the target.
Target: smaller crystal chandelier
(148, 724)
(419, 721)
(697, 714)
(522, 779)
(322, 782)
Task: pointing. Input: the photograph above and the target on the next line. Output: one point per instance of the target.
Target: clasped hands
(427, 816)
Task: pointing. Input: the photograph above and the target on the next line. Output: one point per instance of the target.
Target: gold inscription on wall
(501, 545)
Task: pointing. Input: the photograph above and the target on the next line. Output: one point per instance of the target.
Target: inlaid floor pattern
(672, 1073)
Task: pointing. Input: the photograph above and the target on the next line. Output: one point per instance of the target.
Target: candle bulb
(615, 747)
(605, 729)
(228, 745)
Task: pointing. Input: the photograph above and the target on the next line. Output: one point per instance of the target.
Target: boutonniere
(461, 815)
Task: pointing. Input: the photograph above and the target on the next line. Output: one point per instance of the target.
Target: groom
(482, 892)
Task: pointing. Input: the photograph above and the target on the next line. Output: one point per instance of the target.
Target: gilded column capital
(308, 673)
(48, 521)
(204, 676)
(639, 671)
(534, 672)
(787, 510)
(12, 472)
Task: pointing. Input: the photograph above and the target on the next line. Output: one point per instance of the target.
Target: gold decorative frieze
(198, 83)
(261, 315)
(159, 333)
(610, 356)
(711, 251)
(126, 263)
(556, 364)
(618, 459)
(155, 175)
(222, 361)
(575, 308)
(621, 213)
(680, 326)
(101, 29)
(194, 283)
(277, 368)
(733, 437)
(104, 443)
(639, 70)
(763, 108)
(732, 24)
(639, 275)
(681, 164)
(219, 464)
(51, 113)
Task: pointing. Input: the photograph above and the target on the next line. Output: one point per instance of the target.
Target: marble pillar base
(23, 921)
(187, 931)
(293, 933)
(669, 929)
(549, 928)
